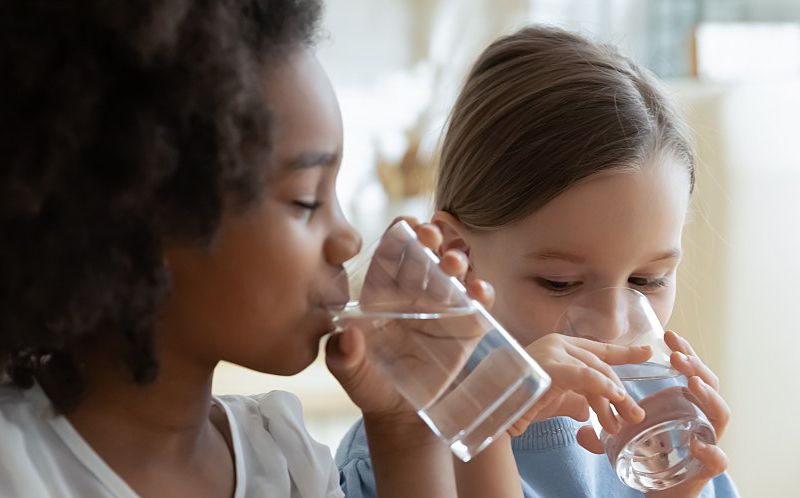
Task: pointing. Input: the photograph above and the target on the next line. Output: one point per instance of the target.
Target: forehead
(304, 110)
(621, 214)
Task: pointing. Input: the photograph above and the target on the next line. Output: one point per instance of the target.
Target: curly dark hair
(123, 125)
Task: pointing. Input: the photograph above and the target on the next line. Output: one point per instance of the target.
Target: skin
(615, 229)
(256, 297)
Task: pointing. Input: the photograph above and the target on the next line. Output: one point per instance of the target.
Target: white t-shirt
(42, 455)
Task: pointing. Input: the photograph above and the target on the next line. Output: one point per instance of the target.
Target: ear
(453, 233)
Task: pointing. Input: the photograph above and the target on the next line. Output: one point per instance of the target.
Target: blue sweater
(550, 462)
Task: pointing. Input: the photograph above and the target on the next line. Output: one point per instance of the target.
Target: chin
(293, 362)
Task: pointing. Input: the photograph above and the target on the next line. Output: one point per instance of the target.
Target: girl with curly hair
(167, 202)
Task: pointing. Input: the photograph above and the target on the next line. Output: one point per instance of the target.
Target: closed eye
(557, 286)
(311, 206)
(649, 284)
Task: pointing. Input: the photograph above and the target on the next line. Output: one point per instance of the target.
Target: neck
(167, 416)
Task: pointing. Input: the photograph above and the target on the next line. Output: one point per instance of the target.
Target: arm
(408, 459)
(493, 472)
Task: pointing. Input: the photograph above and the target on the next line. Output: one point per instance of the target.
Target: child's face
(256, 296)
(612, 230)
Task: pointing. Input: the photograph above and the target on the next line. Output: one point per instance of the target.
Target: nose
(612, 321)
(343, 243)
(600, 316)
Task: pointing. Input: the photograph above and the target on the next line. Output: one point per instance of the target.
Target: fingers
(690, 365)
(613, 354)
(579, 378)
(544, 403)
(415, 272)
(712, 458)
(574, 406)
(593, 361)
(411, 220)
(587, 438)
(430, 235)
(712, 404)
(686, 361)
(553, 403)
(345, 354)
(606, 417)
(627, 408)
(414, 266)
(481, 291)
(678, 343)
(454, 263)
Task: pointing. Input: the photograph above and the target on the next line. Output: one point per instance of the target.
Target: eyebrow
(548, 254)
(674, 253)
(311, 160)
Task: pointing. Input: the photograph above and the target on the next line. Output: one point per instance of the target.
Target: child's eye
(648, 284)
(557, 286)
(311, 206)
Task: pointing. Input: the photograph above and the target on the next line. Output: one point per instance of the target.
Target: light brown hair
(541, 110)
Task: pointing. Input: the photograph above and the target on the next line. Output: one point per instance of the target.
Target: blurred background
(734, 68)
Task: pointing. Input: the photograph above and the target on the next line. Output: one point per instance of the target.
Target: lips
(337, 293)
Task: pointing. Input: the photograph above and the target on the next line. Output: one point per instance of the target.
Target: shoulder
(19, 410)
(278, 405)
(274, 437)
(9, 395)
(278, 414)
(355, 466)
(354, 445)
(24, 439)
(721, 486)
(12, 406)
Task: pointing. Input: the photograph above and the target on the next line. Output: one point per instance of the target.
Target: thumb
(575, 407)
(587, 438)
(345, 355)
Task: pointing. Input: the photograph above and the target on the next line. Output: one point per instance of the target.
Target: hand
(362, 379)
(704, 385)
(581, 377)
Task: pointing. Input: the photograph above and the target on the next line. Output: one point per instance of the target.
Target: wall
(737, 295)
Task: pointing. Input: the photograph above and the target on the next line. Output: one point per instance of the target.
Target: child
(565, 170)
(167, 202)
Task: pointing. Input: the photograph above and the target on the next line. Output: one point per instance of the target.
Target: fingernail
(682, 356)
(700, 382)
(700, 445)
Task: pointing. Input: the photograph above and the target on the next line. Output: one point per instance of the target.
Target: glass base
(480, 431)
(658, 458)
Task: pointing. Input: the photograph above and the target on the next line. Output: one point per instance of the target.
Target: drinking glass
(654, 454)
(466, 377)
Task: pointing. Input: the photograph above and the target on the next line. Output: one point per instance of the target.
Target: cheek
(663, 304)
(263, 284)
(525, 311)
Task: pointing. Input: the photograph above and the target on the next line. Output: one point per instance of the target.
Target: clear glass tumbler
(466, 377)
(654, 454)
